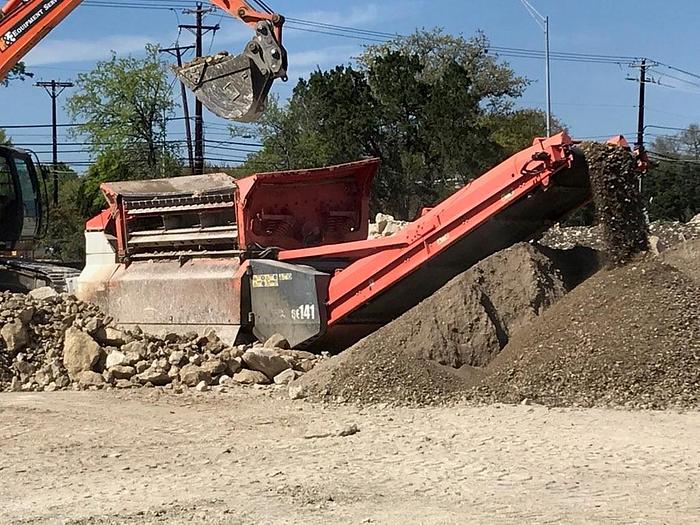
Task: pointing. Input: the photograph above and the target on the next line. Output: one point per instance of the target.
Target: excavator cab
(236, 87)
(22, 199)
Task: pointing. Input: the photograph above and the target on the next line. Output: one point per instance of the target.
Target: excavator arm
(233, 87)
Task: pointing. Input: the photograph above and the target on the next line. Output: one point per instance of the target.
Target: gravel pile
(51, 342)
(618, 202)
(627, 337)
(463, 326)
(663, 235)
(505, 330)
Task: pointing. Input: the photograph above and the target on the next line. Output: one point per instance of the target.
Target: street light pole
(543, 22)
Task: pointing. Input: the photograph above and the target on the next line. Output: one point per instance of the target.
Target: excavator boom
(233, 87)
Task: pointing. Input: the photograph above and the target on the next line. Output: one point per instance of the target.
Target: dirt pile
(629, 336)
(52, 342)
(464, 325)
(618, 202)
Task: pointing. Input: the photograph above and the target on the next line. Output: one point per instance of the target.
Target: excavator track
(19, 275)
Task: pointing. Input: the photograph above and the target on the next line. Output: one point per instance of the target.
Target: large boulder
(80, 353)
(154, 375)
(122, 372)
(89, 378)
(215, 367)
(43, 293)
(251, 377)
(277, 341)
(15, 335)
(192, 375)
(266, 361)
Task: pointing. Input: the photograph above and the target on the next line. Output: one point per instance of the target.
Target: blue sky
(592, 99)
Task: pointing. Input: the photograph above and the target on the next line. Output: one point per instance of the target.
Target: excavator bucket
(236, 87)
(232, 87)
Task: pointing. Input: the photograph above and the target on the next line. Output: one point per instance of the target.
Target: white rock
(110, 336)
(43, 293)
(116, 358)
(286, 377)
(297, 391)
(177, 357)
(202, 386)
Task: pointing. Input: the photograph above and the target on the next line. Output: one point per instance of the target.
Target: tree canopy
(672, 186)
(123, 106)
(436, 109)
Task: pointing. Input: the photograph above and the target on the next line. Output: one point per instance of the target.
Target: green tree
(672, 186)
(436, 108)
(65, 235)
(5, 139)
(514, 130)
(428, 135)
(18, 72)
(125, 104)
(109, 166)
(494, 82)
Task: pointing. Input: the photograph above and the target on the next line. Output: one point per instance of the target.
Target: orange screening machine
(288, 252)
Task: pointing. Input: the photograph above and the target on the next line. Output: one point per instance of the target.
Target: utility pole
(643, 66)
(543, 22)
(199, 30)
(54, 89)
(642, 93)
(178, 52)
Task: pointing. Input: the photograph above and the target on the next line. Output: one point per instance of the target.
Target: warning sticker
(271, 280)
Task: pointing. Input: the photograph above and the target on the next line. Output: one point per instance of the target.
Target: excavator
(234, 87)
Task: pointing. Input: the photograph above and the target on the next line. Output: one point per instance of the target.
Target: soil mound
(463, 326)
(629, 337)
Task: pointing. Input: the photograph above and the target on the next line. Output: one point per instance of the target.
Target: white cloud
(70, 50)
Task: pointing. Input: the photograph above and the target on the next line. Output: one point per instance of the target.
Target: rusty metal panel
(168, 296)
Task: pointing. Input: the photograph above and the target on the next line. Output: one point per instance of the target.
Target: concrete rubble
(52, 342)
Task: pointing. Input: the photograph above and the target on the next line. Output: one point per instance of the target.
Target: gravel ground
(245, 457)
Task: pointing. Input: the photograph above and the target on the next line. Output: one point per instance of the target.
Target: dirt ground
(249, 457)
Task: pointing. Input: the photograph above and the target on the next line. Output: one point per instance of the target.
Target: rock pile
(664, 235)
(385, 226)
(50, 342)
(618, 202)
(626, 337)
(462, 326)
